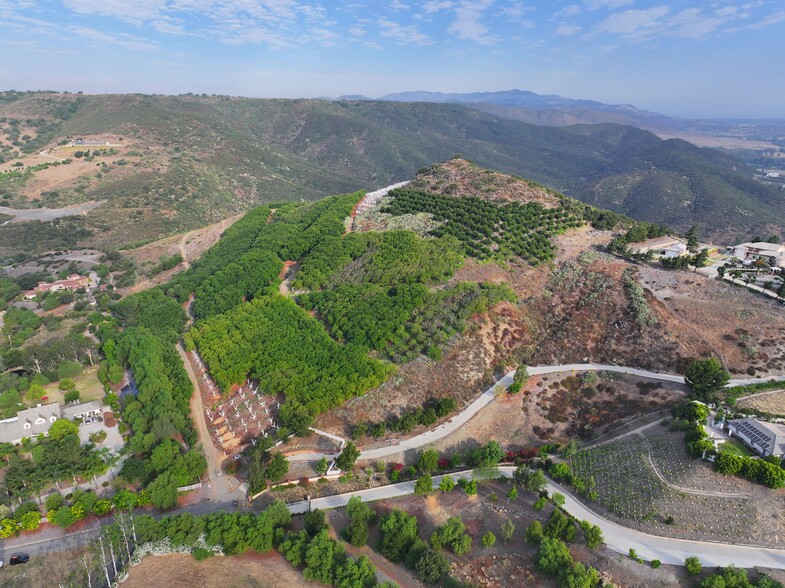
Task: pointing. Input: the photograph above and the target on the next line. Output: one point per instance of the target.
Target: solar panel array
(761, 438)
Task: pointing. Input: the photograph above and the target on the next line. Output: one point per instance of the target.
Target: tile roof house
(763, 437)
(72, 282)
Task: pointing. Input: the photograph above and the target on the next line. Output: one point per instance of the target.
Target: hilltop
(166, 164)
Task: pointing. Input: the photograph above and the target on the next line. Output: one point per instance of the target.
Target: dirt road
(47, 214)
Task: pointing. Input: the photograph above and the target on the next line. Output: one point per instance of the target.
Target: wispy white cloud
(468, 23)
(634, 22)
(597, 4)
(403, 34)
(567, 29)
(437, 5)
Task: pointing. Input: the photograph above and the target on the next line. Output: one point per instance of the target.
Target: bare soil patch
(770, 402)
(744, 329)
(511, 564)
(268, 570)
(190, 245)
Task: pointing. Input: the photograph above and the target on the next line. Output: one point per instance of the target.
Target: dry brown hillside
(458, 177)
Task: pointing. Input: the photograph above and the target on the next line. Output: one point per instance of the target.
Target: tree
(530, 480)
(61, 428)
(470, 487)
(355, 573)
(348, 457)
(592, 533)
(557, 499)
(432, 567)
(705, 377)
(424, 485)
(397, 532)
(320, 558)
(447, 484)
(692, 239)
(534, 533)
(163, 491)
(553, 556)
(314, 522)
(512, 494)
(358, 510)
(728, 463)
(693, 565)
(278, 467)
(519, 379)
(579, 576)
(429, 461)
(356, 532)
(322, 466)
(488, 539)
(507, 531)
(66, 384)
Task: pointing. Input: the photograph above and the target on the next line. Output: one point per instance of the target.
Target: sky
(714, 58)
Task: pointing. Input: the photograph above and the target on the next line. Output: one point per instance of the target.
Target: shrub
(488, 539)
(693, 565)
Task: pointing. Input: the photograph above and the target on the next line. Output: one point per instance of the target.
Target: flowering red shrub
(444, 463)
(397, 466)
(527, 453)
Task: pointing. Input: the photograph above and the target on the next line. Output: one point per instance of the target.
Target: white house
(660, 246)
(760, 436)
(29, 423)
(37, 420)
(772, 253)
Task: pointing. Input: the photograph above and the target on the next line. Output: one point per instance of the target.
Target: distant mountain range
(192, 160)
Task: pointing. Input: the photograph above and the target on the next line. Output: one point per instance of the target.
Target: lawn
(87, 383)
(736, 447)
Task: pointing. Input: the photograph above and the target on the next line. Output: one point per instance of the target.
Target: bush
(488, 539)
(693, 565)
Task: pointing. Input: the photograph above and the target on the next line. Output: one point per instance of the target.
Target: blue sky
(710, 58)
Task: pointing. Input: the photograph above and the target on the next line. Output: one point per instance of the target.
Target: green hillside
(192, 160)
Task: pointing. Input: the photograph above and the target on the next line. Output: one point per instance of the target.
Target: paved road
(452, 425)
(618, 538)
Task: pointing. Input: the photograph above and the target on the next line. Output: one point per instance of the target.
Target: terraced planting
(489, 230)
(671, 459)
(629, 492)
(626, 483)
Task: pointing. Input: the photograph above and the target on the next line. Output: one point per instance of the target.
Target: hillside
(171, 164)
(322, 316)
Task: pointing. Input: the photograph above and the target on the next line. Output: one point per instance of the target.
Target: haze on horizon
(719, 58)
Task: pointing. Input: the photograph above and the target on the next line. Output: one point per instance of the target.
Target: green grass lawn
(736, 447)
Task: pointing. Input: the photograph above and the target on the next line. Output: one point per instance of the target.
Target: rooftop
(769, 436)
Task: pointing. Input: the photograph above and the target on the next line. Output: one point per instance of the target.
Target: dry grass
(770, 402)
(245, 571)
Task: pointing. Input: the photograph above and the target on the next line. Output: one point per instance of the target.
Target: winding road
(617, 538)
(455, 423)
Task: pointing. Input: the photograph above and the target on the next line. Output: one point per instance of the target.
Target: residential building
(660, 247)
(72, 282)
(771, 253)
(29, 423)
(82, 411)
(762, 437)
(37, 420)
